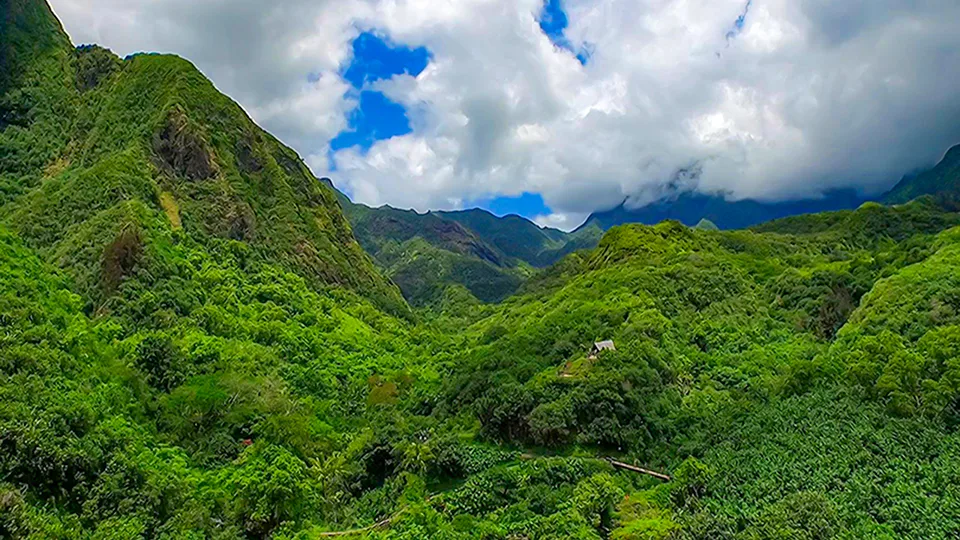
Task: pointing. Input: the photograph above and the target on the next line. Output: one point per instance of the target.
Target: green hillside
(424, 254)
(943, 180)
(489, 256)
(101, 152)
(517, 237)
(789, 365)
(193, 345)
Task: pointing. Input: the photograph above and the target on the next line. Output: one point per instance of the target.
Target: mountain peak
(28, 30)
(156, 149)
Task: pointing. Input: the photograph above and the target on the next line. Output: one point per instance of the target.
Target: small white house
(601, 346)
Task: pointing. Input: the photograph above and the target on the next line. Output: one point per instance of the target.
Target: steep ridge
(513, 235)
(425, 254)
(942, 180)
(109, 152)
(37, 94)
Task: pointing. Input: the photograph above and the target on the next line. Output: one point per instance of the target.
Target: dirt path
(615, 463)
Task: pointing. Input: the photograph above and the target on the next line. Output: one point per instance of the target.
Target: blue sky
(378, 118)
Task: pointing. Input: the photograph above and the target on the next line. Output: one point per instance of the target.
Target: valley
(201, 339)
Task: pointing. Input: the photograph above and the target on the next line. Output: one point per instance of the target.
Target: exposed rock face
(247, 158)
(181, 151)
(94, 65)
(120, 257)
(242, 223)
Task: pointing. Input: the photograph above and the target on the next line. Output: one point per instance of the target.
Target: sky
(555, 109)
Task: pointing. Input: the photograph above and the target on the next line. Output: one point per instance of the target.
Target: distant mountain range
(691, 208)
(428, 254)
(490, 256)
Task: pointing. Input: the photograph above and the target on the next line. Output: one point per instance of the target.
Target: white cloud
(263, 54)
(564, 222)
(810, 95)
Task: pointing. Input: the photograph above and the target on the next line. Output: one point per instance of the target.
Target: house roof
(604, 345)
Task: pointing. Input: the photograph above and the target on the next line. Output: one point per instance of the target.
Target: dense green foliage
(102, 144)
(425, 254)
(193, 345)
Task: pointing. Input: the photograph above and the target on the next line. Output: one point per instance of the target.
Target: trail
(616, 464)
(634, 468)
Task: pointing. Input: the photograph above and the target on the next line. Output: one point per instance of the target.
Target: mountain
(941, 180)
(519, 237)
(97, 152)
(193, 345)
(925, 215)
(425, 254)
(184, 309)
(691, 208)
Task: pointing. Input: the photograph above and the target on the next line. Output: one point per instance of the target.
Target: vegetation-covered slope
(520, 238)
(426, 254)
(193, 346)
(944, 180)
(748, 351)
(102, 146)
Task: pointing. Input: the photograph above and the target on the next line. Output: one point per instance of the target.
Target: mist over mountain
(944, 179)
(690, 209)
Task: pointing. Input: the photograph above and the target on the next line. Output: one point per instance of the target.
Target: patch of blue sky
(740, 22)
(376, 117)
(528, 205)
(375, 58)
(553, 21)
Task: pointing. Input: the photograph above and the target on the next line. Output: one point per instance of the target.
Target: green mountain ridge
(942, 180)
(124, 142)
(489, 256)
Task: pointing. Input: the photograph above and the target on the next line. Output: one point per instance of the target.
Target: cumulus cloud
(794, 98)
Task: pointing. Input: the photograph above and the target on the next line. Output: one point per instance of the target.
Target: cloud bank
(771, 99)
